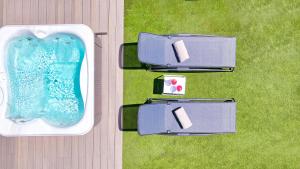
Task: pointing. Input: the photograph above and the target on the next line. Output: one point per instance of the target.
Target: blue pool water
(44, 79)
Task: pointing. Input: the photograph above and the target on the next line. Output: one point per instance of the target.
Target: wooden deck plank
(3, 153)
(82, 140)
(26, 12)
(39, 153)
(22, 148)
(88, 153)
(42, 11)
(97, 128)
(119, 86)
(115, 40)
(11, 153)
(1, 12)
(81, 152)
(89, 150)
(45, 154)
(51, 12)
(77, 11)
(104, 8)
(112, 82)
(68, 11)
(89, 138)
(60, 11)
(102, 147)
(104, 101)
(18, 12)
(31, 153)
(46, 158)
(86, 12)
(95, 11)
(75, 153)
(60, 153)
(34, 12)
(10, 15)
(67, 153)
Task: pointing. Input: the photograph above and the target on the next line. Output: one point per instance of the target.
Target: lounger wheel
(149, 100)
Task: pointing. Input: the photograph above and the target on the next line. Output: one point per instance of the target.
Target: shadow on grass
(128, 58)
(158, 85)
(128, 117)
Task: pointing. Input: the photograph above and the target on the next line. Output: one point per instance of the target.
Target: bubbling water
(44, 79)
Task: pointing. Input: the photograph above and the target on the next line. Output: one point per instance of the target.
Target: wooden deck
(102, 147)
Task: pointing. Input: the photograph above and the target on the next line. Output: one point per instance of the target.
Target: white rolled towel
(183, 118)
(181, 50)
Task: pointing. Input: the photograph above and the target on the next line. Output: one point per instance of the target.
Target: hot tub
(49, 88)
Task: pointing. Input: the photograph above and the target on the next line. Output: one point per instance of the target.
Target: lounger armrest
(150, 100)
(168, 68)
(192, 35)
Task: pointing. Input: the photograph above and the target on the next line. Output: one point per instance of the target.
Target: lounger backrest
(152, 49)
(151, 119)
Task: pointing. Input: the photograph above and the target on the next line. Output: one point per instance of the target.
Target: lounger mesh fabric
(207, 118)
(151, 119)
(204, 51)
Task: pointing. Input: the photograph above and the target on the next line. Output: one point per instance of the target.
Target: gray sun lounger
(207, 53)
(208, 116)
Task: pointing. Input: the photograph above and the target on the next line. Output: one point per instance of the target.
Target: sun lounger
(186, 52)
(203, 117)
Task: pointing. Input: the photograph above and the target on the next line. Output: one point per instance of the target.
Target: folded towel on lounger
(181, 50)
(183, 118)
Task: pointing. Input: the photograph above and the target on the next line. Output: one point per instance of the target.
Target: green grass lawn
(266, 84)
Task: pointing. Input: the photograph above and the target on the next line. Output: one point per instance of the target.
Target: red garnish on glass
(179, 88)
(173, 81)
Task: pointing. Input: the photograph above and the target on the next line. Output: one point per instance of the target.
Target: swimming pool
(46, 80)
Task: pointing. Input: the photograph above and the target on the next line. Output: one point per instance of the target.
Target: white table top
(170, 89)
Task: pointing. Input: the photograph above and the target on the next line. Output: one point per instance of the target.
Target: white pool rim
(38, 127)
